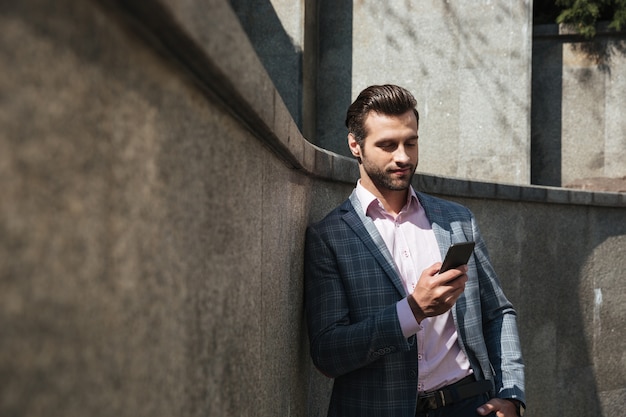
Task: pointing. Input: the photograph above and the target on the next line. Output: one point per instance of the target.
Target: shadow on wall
(332, 62)
(468, 39)
(334, 74)
(571, 72)
(276, 50)
(546, 120)
(603, 291)
(590, 375)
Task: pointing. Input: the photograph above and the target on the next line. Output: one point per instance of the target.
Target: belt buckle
(431, 403)
(428, 402)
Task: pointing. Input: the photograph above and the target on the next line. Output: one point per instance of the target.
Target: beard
(385, 179)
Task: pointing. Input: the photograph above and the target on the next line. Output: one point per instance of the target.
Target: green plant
(584, 14)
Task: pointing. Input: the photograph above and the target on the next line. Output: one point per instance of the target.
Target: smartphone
(458, 254)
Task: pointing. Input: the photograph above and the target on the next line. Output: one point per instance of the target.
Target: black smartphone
(458, 254)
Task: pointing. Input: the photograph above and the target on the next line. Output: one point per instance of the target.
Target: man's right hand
(436, 293)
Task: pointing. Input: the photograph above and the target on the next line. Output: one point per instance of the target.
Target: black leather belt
(466, 388)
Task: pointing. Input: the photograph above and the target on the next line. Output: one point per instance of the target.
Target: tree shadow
(601, 51)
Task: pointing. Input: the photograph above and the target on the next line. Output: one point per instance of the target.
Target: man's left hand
(502, 408)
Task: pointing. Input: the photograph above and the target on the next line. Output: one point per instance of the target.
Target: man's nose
(401, 155)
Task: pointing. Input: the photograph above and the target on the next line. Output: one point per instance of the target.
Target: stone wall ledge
(227, 68)
(569, 33)
(524, 193)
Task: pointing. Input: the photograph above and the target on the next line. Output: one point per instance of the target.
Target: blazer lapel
(366, 230)
(439, 222)
(443, 233)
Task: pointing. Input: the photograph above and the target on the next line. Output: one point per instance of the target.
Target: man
(399, 338)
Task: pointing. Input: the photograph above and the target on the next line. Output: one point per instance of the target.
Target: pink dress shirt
(413, 246)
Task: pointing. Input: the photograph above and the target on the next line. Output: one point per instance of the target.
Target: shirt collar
(370, 201)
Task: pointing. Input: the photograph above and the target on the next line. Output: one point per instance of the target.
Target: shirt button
(419, 356)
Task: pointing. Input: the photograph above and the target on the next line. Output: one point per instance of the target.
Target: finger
(498, 406)
(452, 276)
(454, 295)
(461, 269)
(458, 282)
(433, 269)
(485, 409)
(444, 278)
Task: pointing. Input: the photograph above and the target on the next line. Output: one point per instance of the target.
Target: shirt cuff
(409, 325)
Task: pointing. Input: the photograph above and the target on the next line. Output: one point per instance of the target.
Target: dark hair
(385, 99)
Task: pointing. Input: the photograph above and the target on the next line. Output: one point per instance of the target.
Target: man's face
(389, 153)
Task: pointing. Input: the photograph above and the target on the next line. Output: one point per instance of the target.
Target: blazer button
(413, 374)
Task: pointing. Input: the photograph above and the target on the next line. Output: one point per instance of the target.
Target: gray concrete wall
(468, 64)
(579, 91)
(150, 243)
(155, 192)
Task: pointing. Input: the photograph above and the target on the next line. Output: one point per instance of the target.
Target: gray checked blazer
(351, 290)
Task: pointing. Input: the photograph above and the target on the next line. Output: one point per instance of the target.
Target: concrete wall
(155, 192)
(579, 88)
(150, 243)
(468, 65)
(276, 29)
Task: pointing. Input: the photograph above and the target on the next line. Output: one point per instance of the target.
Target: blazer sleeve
(350, 325)
(499, 320)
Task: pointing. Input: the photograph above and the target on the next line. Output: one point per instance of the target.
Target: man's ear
(355, 148)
